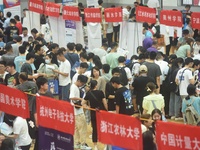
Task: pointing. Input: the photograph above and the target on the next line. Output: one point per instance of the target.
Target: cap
(143, 68)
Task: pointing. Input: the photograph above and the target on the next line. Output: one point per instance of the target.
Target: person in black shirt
(95, 101)
(39, 57)
(11, 30)
(53, 50)
(11, 78)
(110, 91)
(123, 98)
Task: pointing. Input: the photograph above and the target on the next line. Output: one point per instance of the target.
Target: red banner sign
(113, 14)
(54, 114)
(36, 6)
(52, 9)
(195, 18)
(171, 18)
(145, 14)
(71, 13)
(119, 130)
(174, 136)
(14, 102)
(92, 15)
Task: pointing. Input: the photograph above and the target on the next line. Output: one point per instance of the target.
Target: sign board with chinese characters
(195, 18)
(14, 102)
(52, 9)
(51, 139)
(174, 136)
(113, 14)
(145, 14)
(36, 6)
(119, 130)
(92, 15)
(71, 13)
(171, 18)
(54, 114)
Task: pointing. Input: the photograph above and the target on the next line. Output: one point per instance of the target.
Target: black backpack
(123, 76)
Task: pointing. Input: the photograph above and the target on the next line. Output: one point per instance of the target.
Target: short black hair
(11, 64)
(8, 47)
(187, 6)
(19, 39)
(60, 52)
(113, 45)
(9, 14)
(82, 78)
(100, 2)
(41, 81)
(196, 62)
(83, 55)
(25, 44)
(25, 9)
(141, 49)
(121, 59)
(106, 68)
(22, 49)
(34, 30)
(83, 65)
(3, 63)
(53, 46)
(115, 80)
(17, 17)
(191, 89)
(141, 56)
(188, 60)
(115, 70)
(152, 55)
(79, 47)
(23, 76)
(37, 47)
(24, 28)
(105, 45)
(70, 46)
(185, 32)
(29, 56)
(13, 21)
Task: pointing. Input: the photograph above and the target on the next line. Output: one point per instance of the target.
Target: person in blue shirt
(2, 44)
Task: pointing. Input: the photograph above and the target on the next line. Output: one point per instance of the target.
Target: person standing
(11, 30)
(63, 76)
(7, 21)
(18, 23)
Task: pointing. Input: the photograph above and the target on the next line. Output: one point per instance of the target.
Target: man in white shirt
(81, 70)
(184, 77)
(80, 121)
(102, 51)
(25, 34)
(63, 76)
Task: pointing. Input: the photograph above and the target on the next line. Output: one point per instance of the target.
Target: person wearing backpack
(125, 72)
(191, 106)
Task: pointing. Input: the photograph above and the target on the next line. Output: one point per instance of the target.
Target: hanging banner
(92, 15)
(14, 102)
(145, 14)
(11, 3)
(113, 14)
(175, 136)
(71, 13)
(52, 9)
(50, 139)
(54, 114)
(195, 18)
(119, 130)
(36, 6)
(171, 18)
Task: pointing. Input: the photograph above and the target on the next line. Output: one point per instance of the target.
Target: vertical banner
(145, 14)
(175, 136)
(94, 35)
(92, 15)
(70, 30)
(52, 9)
(171, 18)
(14, 102)
(54, 114)
(113, 14)
(71, 13)
(119, 130)
(50, 139)
(195, 18)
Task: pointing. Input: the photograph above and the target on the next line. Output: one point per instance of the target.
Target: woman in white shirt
(153, 100)
(20, 132)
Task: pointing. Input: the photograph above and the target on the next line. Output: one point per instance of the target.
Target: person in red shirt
(18, 25)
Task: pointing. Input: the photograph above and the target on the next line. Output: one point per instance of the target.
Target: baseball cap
(143, 68)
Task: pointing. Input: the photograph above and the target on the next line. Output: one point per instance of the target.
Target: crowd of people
(155, 85)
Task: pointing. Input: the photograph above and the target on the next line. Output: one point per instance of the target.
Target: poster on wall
(11, 3)
(50, 139)
(187, 2)
(70, 29)
(15, 10)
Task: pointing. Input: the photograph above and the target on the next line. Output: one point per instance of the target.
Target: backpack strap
(154, 105)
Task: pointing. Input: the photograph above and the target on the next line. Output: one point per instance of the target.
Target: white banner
(79, 33)
(94, 35)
